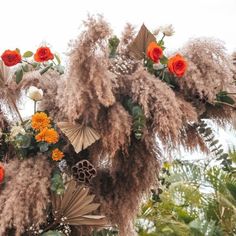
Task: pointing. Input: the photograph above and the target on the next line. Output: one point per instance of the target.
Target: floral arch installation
(89, 154)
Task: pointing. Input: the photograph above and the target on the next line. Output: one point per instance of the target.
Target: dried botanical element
(7, 90)
(25, 197)
(89, 83)
(122, 188)
(75, 207)
(80, 136)
(192, 141)
(209, 69)
(139, 46)
(83, 171)
(117, 130)
(158, 102)
(122, 65)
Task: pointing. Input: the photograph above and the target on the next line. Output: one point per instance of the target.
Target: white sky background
(25, 24)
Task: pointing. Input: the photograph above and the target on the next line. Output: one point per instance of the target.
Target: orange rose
(177, 65)
(43, 54)
(2, 174)
(154, 52)
(11, 58)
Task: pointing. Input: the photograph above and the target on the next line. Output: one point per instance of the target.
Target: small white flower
(15, 130)
(167, 30)
(157, 66)
(35, 94)
(156, 31)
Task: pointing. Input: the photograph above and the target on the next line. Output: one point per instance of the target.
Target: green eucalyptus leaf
(28, 54)
(58, 59)
(43, 147)
(19, 75)
(164, 60)
(53, 233)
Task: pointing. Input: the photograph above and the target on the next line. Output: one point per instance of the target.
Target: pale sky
(27, 23)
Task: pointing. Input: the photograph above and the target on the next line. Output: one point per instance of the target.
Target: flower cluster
(45, 135)
(160, 65)
(13, 57)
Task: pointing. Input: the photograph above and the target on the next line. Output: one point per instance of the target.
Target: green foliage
(105, 232)
(53, 233)
(200, 201)
(28, 54)
(139, 119)
(113, 44)
(57, 184)
(214, 146)
(224, 97)
(19, 75)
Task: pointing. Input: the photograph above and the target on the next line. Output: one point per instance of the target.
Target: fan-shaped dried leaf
(139, 45)
(75, 205)
(80, 136)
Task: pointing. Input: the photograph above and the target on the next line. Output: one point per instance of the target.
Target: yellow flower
(47, 135)
(39, 121)
(57, 155)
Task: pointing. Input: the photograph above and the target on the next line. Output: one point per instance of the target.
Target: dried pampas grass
(158, 102)
(209, 69)
(121, 189)
(25, 196)
(116, 130)
(89, 83)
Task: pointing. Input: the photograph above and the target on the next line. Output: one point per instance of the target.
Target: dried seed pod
(83, 171)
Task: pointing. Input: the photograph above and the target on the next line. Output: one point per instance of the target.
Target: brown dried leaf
(74, 206)
(80, 136)
(139, 46)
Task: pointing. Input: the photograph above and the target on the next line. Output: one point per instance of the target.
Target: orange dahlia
(57, 155)
(47, 135)
(39, 121)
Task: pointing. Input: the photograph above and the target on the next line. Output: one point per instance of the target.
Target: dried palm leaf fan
(139, 46)
(75, 207)
(80, 136)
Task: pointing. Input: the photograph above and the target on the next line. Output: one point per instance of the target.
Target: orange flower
(43, 54)
(39, 121)
(57, 155)
(2, 174)
(177, 65)
(11, 58)
(154, 52)
(47, 135)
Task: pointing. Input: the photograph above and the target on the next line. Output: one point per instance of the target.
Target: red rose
(11, 58)
(2, 174)
(177, 65)
(43, 54)
(154, 52)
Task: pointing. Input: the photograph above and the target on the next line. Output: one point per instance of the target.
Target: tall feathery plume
(25, 196)
(122, 188)
(89, 84)
(158, 102)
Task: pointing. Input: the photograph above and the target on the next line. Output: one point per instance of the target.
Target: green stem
(35, 107)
